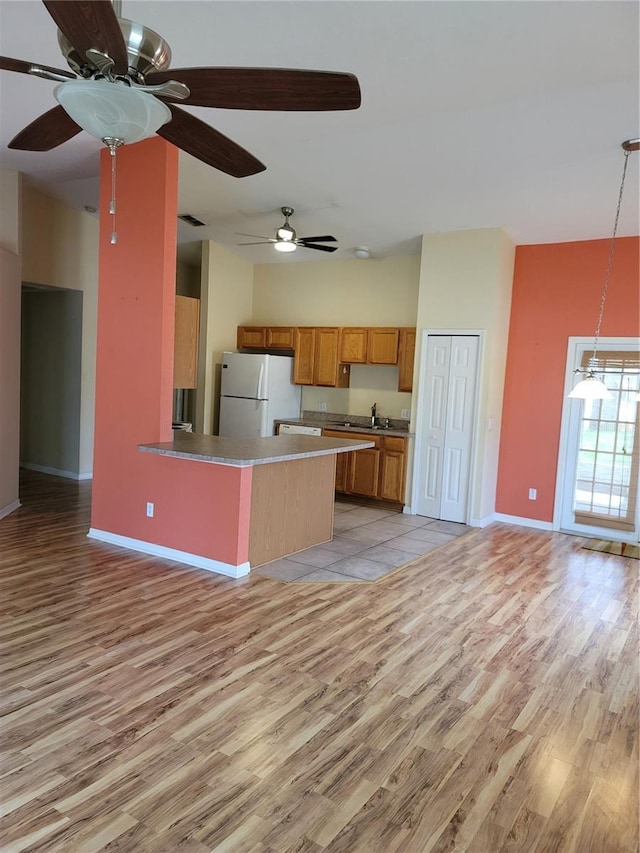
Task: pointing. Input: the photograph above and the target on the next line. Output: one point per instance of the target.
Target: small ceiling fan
(121, 89)
(286, 239)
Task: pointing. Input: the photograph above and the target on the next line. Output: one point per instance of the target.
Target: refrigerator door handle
(260, 378)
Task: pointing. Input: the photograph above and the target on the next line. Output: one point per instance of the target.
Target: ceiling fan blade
(257, 236)
(209, 145)
(261, 243)
(318, 239)
(22, 67)
(90, 25)
(48, 131)
(314, 246)
(265, 88)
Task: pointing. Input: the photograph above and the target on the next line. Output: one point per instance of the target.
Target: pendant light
(590, 387)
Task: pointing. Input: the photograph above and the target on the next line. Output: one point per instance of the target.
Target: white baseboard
(56, 472)
(9, 508)
(505, 519)
(522, 521)
(196, 560)
(482, 522)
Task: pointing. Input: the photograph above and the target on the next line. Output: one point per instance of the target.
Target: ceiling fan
(122, 90)
(286, 239)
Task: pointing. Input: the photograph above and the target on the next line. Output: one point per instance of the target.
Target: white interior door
(444, 452)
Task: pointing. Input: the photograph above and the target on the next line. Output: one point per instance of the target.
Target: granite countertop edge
(242, 453)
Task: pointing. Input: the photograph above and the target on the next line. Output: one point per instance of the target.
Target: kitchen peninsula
(285, 487)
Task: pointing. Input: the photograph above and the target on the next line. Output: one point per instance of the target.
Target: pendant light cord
(607, 274)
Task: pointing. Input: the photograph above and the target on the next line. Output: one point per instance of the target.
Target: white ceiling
(474, 115)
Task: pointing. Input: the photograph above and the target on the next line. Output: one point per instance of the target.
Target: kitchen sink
(355, 426)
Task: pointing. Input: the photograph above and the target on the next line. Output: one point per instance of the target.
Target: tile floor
(367, 544)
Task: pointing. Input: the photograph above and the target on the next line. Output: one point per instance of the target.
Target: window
(608, 450)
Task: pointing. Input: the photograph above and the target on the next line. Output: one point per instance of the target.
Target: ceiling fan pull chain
(113, 144)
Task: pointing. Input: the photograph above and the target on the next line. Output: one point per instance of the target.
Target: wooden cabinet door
(353, 346)
(406, 356)
(251, 336)
(280, 337)
(382, 346)
(392, 469)
(343, 461)
(185, 353)
(304, 358)
(326, 357)
(364, 472)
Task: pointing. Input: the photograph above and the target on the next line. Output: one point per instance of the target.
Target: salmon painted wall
(199, 508)
(556, 295)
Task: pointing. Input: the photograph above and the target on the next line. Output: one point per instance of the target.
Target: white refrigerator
(256, 390)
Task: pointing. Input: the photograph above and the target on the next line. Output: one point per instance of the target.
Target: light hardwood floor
(484, 700)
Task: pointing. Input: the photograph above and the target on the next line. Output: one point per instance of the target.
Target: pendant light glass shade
(590, 388)
(115, 110)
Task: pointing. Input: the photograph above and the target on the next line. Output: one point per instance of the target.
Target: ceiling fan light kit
(285, 246)
(118, 111)
(286, 239)
(362, 252)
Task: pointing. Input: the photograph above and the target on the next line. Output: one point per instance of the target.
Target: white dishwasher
(298, 429)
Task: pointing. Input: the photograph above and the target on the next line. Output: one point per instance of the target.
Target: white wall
(60, 248)
(9, 341)
(465, 284)
(226, 287)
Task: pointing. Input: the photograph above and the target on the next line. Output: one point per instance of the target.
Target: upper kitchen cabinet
(251, 337)
(369, 345)
(265, 337)
(185, 354)
(280, 337)
(406, 355)
(316, 358)
(304, 359)
(382, 346)
(353, 346)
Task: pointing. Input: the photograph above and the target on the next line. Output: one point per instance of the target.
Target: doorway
(446, 420)
(51, 380)
(597, 485)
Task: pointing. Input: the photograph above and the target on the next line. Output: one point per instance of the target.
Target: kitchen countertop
(243, 452)
(340, 426)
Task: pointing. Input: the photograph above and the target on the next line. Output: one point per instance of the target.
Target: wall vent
(191, 220)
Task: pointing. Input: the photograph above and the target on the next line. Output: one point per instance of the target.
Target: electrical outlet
(405, 414)
(533, 494)
(150, 509)
(322, 407)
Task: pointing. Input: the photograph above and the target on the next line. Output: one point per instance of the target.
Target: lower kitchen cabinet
(376, 472)
(364, 472)
(342, 468)
(392, 470)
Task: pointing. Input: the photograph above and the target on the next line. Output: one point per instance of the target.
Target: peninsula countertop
(243, 452)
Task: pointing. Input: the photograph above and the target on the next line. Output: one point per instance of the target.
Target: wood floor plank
(485, 699)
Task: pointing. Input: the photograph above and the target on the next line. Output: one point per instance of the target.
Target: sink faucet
(373, 414)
